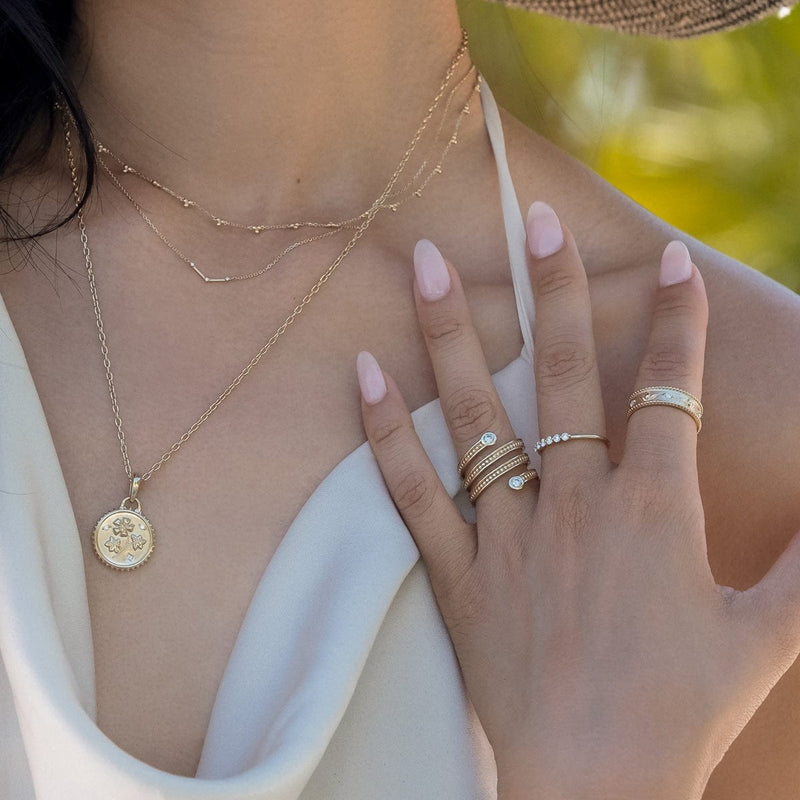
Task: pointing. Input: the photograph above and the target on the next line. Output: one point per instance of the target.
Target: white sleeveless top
(342, 684)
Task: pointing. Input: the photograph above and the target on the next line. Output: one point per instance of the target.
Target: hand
(602, 659)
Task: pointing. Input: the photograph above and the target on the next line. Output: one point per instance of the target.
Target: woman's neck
(282, 106)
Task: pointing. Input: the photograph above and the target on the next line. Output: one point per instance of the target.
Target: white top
(343, 683)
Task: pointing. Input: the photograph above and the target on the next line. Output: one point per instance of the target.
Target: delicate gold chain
(219, 221)
(390, 201)
(298, 309)
(192, 264)
(236, 381)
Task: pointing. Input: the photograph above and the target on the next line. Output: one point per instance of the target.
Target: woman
(283, 640)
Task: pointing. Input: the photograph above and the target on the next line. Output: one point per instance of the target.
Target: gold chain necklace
(390, 201)
(124, 538)
(219, 221)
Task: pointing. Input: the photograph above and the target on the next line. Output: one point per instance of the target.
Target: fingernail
(676, 264)
(370, 378)
(433, 279)
(545, 236)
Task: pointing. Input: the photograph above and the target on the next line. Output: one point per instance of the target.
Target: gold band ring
(487, 461)
(566, 437)
(486, 440)
(667, 396)
(496, 473)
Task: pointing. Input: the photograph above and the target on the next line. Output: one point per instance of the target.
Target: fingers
(567, 377)
(445, 541)
(663, 437)
(470, 403)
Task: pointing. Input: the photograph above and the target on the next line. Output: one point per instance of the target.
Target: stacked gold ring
(667, 396)
(495, 455)
(477, 479)
(486, 440)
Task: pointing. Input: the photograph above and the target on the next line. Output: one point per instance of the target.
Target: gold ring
(518, 481)
(496, 473)
(486, 440)
(667, 396)
(566, 437)
(487, 461)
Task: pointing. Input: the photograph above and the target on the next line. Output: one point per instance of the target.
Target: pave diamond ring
(566, 437)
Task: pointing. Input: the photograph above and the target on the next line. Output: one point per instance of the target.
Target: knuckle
(653, 457)
(564, 362)
(471, 411)
(671, 305)
(657, 493)
(572, 509)
(553, 282)
(384, 435)
(465, 599)
(668, 361)
(443, 329)
(644, 496)
(414, 494)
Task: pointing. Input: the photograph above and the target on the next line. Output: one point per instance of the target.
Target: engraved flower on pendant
(123, 526)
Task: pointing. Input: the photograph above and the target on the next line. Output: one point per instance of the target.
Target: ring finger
(567, 379)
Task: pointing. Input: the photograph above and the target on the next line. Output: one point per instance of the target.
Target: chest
(222, 504)
(224, 500)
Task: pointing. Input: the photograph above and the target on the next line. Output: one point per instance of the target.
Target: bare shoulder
(749, 448)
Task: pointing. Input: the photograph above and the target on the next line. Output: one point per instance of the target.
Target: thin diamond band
(566, 437)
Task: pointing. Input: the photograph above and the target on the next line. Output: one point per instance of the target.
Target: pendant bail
(135, 481)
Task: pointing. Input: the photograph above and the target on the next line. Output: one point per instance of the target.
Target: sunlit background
(703, 132)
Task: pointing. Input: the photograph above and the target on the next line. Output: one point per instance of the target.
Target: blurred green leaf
(702, 132)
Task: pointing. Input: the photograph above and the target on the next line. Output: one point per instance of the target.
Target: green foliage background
(702, 132)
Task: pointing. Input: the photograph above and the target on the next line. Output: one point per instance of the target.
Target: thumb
(775, 600)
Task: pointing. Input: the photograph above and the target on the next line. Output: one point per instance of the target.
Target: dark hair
(34, 42)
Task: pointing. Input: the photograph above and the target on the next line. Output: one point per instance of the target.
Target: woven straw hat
(665, 18)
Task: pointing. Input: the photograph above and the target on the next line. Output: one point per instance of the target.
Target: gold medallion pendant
(124, 538)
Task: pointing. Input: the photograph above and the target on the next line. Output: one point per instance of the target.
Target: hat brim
(674, 19)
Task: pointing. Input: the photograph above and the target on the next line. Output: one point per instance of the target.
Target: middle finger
(470, 403)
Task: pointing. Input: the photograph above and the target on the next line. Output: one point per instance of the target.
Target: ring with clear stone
(566, 437)
(487, 440)
(667, 396)
(516, 482)
(496, 473)
(487, 461)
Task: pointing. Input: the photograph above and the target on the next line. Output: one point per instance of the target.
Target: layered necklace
(124, 538)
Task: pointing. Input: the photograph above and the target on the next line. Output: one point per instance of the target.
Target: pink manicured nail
(676, 264)
(545, 236)
(433, 279)
(370, 378)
